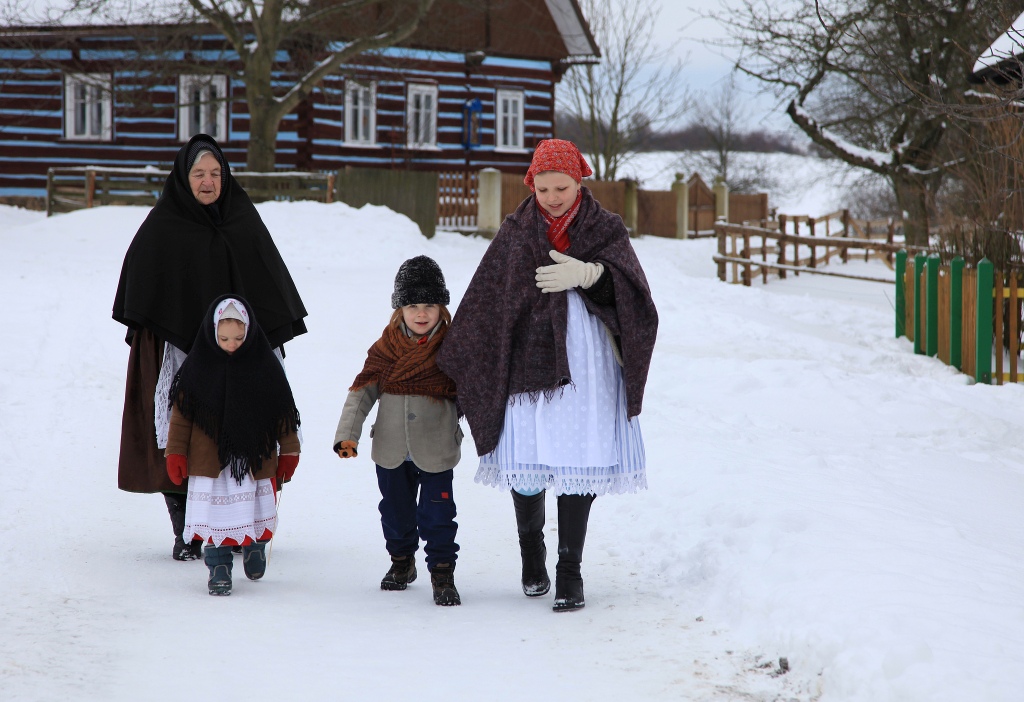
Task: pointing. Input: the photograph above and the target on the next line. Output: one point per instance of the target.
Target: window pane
(79, 109)
(211, 112)
(96, 107)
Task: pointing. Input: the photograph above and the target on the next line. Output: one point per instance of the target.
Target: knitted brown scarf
(402, 365)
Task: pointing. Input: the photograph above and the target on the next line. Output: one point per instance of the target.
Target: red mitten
(177, 468)
(286, 464)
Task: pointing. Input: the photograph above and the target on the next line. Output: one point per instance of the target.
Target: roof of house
(552, 30)
(1001, 61)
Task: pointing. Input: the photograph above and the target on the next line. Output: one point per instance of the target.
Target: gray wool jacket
(423, 429)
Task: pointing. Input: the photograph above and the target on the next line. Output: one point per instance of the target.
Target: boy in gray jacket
(416, 438)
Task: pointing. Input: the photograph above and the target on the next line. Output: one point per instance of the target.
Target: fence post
(956, 312)
(901, 293)
(932, 306)
(721, 191)
(720, 231)
(631, 208)
(488, 213)
(90, 187)
(844, 254)
(682, 191)
(49, 192)
(983, 339)
(814, 247)
(919, 264)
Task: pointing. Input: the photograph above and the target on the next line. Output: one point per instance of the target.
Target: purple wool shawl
(508, 337)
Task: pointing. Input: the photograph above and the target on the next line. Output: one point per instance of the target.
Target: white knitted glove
(567, 272)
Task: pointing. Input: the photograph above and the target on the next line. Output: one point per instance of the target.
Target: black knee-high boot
(530, 523)
(176, 509)
(573, 515)
(182, 551)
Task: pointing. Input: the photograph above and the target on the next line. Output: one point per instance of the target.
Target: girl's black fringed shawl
(508, 337)
(241, 400)
(185, 254)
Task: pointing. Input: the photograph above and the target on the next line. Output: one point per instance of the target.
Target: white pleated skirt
(580, 441)
(219, 508)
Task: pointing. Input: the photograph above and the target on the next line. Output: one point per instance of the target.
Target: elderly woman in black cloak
(203, 239)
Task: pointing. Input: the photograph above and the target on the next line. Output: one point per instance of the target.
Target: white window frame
(362, 113)
(508, 120)
(88, 107)
(212, 110)
(421, 116)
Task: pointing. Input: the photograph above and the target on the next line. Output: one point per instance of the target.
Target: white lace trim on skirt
(219, 508)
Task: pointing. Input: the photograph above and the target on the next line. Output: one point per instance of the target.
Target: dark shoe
(573, 516)
(568, 595)
(186, 552)
(219, 560)
(254, 560)
(402, 572)
(530, 524)
(196, 549)
(236, 549)
(442, 579)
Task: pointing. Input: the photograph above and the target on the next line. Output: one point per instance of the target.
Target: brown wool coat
(184, 438)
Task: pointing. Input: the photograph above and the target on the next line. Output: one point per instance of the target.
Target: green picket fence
(948, 311)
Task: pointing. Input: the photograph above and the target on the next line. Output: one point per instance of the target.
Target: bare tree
(635, 90)
(869, 80)
(319, 37)
(720, 116)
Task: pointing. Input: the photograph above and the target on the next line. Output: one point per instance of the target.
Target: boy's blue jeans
(406, 520)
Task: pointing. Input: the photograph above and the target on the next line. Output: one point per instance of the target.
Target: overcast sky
(681, 28)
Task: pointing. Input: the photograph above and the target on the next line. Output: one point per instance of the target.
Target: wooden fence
(969, 318)
(412, 193)
(458, 194)
(70, 189)
(751, 251)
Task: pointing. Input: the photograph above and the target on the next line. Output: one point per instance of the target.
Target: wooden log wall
(145, 119)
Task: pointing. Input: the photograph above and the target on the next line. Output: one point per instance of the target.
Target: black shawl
(241, 400)
(508, 337)
(185, 254)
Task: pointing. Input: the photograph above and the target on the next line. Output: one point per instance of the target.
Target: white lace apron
(220, 508)
(580, 441)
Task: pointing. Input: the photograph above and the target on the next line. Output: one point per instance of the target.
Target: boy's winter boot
(254, 560)
(218, 560)
(442, 579)
(402, 572)
(530, 523)
(176, 509)
(573, 515)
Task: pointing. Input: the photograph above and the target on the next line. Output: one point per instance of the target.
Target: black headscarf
(242, 400)
(185, 254)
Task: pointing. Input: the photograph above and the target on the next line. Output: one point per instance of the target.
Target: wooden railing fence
(748, 251)
(70, 189)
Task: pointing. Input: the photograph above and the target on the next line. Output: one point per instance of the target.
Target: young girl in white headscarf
(231, 408)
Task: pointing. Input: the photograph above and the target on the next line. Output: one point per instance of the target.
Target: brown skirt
(141, 466)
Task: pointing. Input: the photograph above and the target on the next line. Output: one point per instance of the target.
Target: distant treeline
(692, 138)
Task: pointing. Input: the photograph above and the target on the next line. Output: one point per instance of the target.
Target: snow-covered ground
(817, 492)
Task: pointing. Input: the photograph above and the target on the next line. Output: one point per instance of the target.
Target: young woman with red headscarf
(549, 349)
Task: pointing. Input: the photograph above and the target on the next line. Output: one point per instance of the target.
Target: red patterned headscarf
(557, 155)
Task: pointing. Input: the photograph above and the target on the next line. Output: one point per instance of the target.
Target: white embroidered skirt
(219, 508)
(581, 440)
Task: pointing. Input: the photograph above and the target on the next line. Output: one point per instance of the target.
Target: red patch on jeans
(444, 495)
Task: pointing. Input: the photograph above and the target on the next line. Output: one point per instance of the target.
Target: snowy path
(817, 492)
